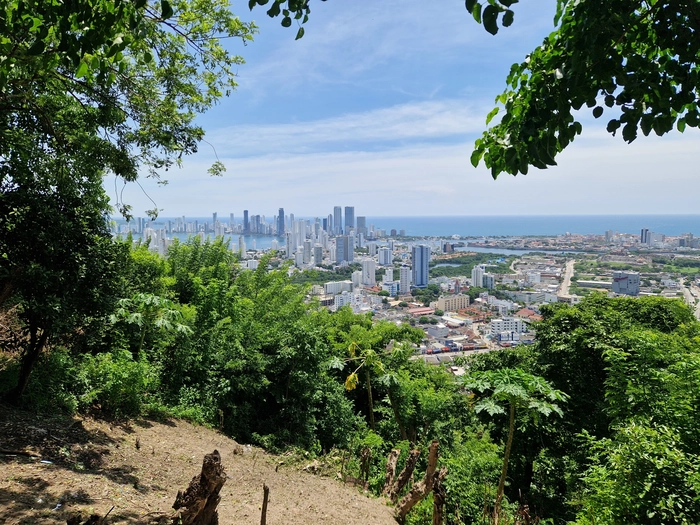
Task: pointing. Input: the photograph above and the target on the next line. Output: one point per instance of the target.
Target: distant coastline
(511, 226)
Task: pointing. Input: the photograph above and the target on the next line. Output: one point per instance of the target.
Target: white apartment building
(357, 278)
(336, 287)
(507, 324)
(385, 257)
(478, 276)
(405, 279)
(388, 275)
(368, 272)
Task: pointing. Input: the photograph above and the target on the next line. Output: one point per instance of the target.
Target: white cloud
(595, 176)
(375, 128)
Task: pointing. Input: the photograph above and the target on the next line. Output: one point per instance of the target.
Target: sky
(378, 107)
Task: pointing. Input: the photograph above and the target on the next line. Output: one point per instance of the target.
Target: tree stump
(439, 496)
(422, 488)
(197, 505)
(404, 476)
(390, 470)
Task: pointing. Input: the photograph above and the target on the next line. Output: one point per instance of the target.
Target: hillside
(138, 466)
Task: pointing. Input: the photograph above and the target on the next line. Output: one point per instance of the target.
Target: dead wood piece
(391, 460)
(266, 494)
(404, 476)
(197, 505)
(365, 463)
(422, 488)
(439, 496)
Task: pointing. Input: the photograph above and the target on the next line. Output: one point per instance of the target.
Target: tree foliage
(635, 60)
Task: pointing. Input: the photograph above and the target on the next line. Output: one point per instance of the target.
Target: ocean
(495, 226)
(517, 226)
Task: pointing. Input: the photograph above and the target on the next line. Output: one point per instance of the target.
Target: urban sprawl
(465, 300)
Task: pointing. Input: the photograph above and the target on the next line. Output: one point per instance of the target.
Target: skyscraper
(349, 218)
(362, 225)
(337, 220)
(478, 276)
(644, 237)
(404, 280)
(280, 222)
(344, 249)
(419, 264)
(246, 224)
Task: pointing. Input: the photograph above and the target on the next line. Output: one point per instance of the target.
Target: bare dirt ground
(54, 466)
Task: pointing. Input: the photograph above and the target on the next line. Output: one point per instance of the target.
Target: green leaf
(508, 18)
(252, 4)
(286, 21)
(469, 4)
(274, 10)
(475, 157)
(491, 114)
(491, 19)
(629, 132)
(597, 111)
(476, 12)
(300, 33)
(613, 126)
(82, 69)
(37, 48)
(166, 9)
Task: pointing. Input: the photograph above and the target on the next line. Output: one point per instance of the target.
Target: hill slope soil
(53, 467)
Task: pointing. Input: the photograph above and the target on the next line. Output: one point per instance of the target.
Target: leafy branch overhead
(118, 82)
(636, 61)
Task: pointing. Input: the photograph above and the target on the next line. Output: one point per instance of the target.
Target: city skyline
(365, 128)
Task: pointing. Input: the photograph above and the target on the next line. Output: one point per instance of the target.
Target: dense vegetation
(465, 263)
(603, 424)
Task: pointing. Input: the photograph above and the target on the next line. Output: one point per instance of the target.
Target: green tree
(636, 60)
(506, 391)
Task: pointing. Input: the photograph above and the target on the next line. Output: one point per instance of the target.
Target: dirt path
(70, 465)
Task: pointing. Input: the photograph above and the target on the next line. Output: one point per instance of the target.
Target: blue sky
(378, 107)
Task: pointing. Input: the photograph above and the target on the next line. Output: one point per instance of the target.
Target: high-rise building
(280, 222)
(344, 249)
(230, 221)
(385, 257)
(369, 272)
(644, 237)
(318, 255)
(337, 220)
(307, 251)
(241, 247)
(349, 218)
(478, 276)
(362, 225)
(420, 265)
(246, 224)
(388, 275)
(404, 280)
(330, 228)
